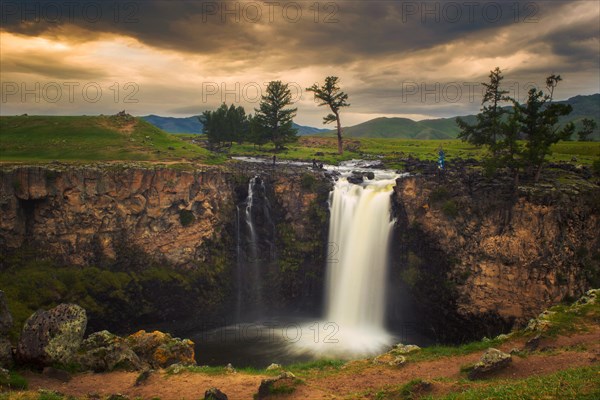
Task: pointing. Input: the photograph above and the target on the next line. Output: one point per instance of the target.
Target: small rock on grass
(492, 360)
(274, 367)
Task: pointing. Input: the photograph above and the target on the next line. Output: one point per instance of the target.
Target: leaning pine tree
(330, 95)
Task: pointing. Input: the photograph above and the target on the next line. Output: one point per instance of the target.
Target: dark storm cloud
(376, 46)
(39, 66)
(344, 30)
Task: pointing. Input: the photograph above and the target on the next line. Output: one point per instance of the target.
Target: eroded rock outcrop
(92, 214)
(474, 252)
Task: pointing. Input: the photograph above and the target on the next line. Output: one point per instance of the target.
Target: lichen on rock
(53, 336)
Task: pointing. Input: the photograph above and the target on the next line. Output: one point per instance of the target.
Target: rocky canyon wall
(129, 219)
(473, 253)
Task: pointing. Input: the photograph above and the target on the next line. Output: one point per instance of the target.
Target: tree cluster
(519, 136)
(272, 121)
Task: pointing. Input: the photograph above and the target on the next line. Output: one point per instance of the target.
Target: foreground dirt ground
(355, 380)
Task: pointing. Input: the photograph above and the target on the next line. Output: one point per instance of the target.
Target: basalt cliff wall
(129, 219)
(470, 256)
(476, 256)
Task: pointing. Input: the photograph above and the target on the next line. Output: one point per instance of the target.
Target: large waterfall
(359, 233)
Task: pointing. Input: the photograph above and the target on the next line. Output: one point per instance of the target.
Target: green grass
(14, 381)
(392, 151)
(577, 384)
(220, 370)
(441, 351)
(112, 138)
(92, 138)
(571, 319)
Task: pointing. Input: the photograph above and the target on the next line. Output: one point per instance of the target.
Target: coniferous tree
(225, 125)
(272, 117)
(538, 119)
(588, 126)
(489, 128)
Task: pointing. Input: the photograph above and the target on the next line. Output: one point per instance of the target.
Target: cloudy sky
(394, 58)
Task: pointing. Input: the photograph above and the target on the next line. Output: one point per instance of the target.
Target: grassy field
(97, 138)
(114, 138)
(392, 151)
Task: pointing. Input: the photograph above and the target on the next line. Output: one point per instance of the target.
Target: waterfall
(254, 248)
(360, 227)
(359, 231)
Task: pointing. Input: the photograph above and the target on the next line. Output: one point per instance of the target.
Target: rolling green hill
(395, 128)
(446, 128)
(91, 138)
(194, 126)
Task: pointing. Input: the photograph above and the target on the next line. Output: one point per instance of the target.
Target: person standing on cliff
(274, 159)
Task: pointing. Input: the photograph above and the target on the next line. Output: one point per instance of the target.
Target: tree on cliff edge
(489, 128)
(330, 95)
(272, 118)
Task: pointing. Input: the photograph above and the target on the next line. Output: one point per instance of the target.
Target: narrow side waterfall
(255, 233)
(359, 235)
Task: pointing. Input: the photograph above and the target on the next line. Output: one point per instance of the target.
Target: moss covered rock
(160, 349)
(53, 336)
(104, 351)
(492, 360)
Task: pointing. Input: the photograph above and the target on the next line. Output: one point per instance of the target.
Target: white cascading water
(359, 233)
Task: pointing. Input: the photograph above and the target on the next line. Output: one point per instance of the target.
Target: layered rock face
(130, 218)
(84, 215)
(471, 249)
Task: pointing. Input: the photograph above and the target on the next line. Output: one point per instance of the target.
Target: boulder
(590, 297)
(405, 348)
(214, 394)
(160, 350)
(286, 381)
(492, 360)
(390, 359)
(103, 351)
(274, 367)
(53, 336)
(356, 179)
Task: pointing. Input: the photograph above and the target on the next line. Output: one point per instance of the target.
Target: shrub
(186, 217)
(450, 209)
(308, 181)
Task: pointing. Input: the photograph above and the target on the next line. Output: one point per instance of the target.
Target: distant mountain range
(440, 128)
(446, 128)
(193, 125)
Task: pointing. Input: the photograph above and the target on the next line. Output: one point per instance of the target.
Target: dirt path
(353, 381)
